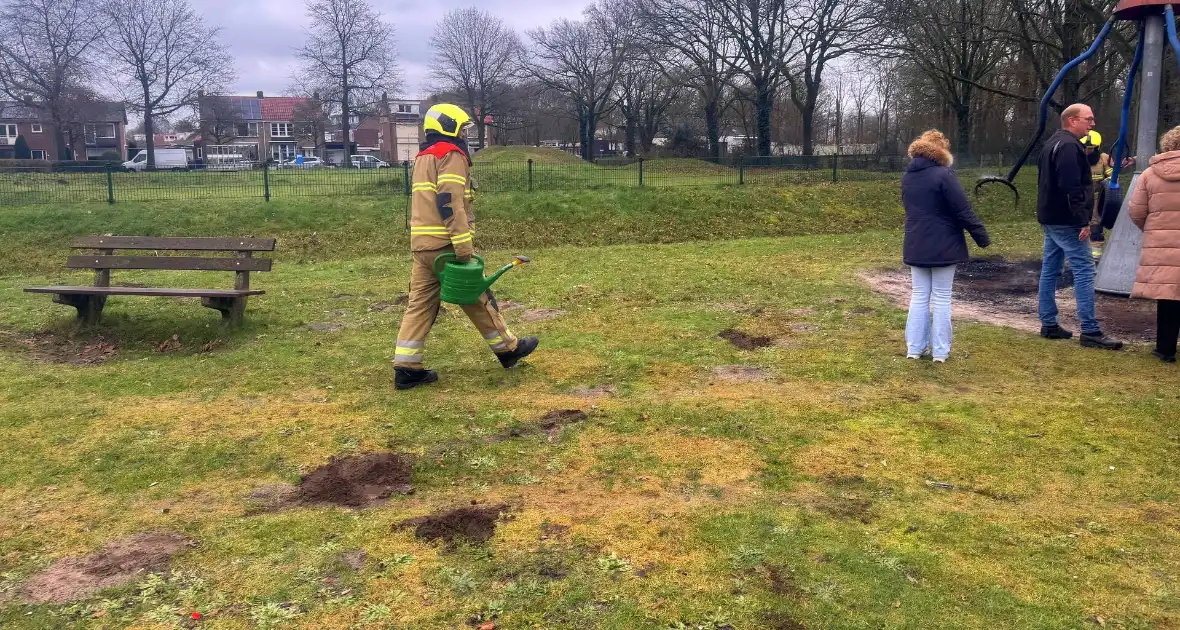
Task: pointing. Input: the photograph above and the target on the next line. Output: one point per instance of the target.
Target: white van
(166, 159)
(368, 161)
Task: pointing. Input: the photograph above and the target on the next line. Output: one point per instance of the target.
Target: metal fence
(106, 183)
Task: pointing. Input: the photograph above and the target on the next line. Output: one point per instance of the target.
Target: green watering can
(463, 282)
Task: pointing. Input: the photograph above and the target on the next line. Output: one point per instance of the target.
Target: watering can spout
(519, 260)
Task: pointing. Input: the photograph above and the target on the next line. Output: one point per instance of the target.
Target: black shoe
(1166, 358)
(1099, 340)
(1055, 332)
(524, 347)
(408, 378)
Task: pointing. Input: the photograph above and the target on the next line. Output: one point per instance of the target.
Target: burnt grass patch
(115, 564)
(465, 524)
(743, 340)
(1004, 292)
(358, 482)
(551, 424)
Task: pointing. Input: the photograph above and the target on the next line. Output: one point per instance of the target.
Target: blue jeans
(1061, 241)
(931, 293)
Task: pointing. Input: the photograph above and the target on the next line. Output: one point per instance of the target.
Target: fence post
(406, 175)
(741, 160)
(530, 174)
(266, 181)
(641, 172)
(110, 185)
(835, 167)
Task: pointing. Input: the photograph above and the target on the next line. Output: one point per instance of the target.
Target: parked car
(367, 161)
(166, 159)
(309, 161)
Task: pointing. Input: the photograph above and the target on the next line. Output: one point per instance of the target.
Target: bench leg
(232, 309)
(89, 306)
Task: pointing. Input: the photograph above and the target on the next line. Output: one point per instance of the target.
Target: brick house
(100, 131)
(256, 128)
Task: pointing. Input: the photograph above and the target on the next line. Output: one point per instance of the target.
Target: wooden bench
(230, 302)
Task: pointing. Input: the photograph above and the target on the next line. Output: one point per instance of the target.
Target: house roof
(281, 108)
(12, 110)
(95, 111)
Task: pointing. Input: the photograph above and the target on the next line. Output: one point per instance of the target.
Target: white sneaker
(938, 360)
(913, 356)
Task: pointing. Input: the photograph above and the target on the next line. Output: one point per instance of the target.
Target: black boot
(524, 347)
(1166, 358)
(409, 378)
(1055, 332)
(1099, 340)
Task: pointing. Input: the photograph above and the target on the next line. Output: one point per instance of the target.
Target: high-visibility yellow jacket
(440, 202)
(1102, 171)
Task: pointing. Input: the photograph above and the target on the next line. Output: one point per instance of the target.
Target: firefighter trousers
(422, 311)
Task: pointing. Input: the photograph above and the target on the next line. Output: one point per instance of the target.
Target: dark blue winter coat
(936, 213)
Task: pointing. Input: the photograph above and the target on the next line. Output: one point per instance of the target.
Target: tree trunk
(713, 130)
(583, 122)
(963, 130)
(808, 116)
(59, 136)
(764, 105)
(344, 123)
(629, 135)
(149, 127)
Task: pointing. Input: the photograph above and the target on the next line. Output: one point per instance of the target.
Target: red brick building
(99, 132)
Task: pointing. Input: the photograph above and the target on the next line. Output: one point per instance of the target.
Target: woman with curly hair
(1155, 208)
(937, 212)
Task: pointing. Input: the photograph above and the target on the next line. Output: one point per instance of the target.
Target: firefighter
(441, 221)
(1101, 168)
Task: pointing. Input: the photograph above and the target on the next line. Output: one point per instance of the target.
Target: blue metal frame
(1171, 20)
(1044, 110)
(1120, 145)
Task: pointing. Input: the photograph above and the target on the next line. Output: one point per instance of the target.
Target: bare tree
(349, 57)
(45, 57)
(954, 44)
(645, 92)
(311, 121)
(581, 60)
(694, 29)
(220, 118)
(823, 31)
(165, 56)
(761, 36)
(477, 59)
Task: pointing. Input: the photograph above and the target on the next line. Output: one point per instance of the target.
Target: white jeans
(931, 293)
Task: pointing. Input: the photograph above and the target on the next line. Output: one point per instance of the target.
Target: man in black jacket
(1065, 202)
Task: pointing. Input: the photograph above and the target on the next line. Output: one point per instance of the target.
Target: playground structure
(1116, 272)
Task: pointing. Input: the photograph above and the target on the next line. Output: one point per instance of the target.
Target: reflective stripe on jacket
(440, 204)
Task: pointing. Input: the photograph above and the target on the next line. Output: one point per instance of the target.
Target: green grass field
(496, 170)
(1025, 484)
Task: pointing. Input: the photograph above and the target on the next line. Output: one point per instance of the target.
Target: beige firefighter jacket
(440, 204)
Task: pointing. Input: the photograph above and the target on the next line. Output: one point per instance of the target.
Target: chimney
(259, 93)
(315, 95)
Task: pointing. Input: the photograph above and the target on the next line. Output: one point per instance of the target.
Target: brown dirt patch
(597, 391)
(358, 482)
(1004, 293)
(355, 559)
(551, 424)
(541, 314)
(51, 347)
(744, 341)
(740, 374)
(474, 524)
(116, 564)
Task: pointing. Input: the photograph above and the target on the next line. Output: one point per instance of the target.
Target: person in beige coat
(1155, 208)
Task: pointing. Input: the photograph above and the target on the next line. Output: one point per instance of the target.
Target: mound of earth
(473, 524)
(744, 341)
(116, 564)
(1004, 293)
(358, 482)
(51, 347)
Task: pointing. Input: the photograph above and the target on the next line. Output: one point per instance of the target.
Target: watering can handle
(442, 258)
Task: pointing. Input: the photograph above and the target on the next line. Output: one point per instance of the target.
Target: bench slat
(206, 244)
(222, 293)
(179, 263)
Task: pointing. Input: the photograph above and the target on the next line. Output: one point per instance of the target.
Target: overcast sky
(262, 33)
